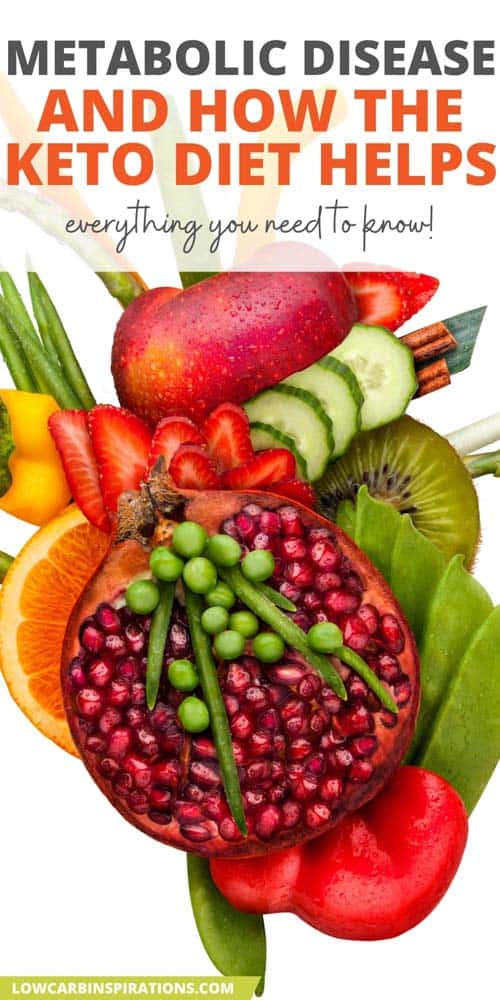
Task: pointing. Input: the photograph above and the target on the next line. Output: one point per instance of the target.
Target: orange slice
(37, 597)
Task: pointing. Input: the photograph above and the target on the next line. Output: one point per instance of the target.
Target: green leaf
(7, 446)
(234, 941)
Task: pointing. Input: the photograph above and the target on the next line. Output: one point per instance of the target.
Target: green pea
(189, 539)
(229, 644)
(245, 623)
(214, 620)
(324, 637)
(221, 596)
(200, 575)
(193, 714)
(223, 550)
(182, 675)
(142, 596)
(165, 565)
(258, 565)
(268, 647)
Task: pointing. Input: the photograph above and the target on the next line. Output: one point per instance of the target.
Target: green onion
(361, 668)
(160, 623)
(5, 561)
(215, 703)
(41, 321)
(59, 341)
(13, 356)
(285, 627)
(43, 368)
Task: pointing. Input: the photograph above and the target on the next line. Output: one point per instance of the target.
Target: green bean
(13, 356)
(157, 641)
(361, 668)
(5, 561)
(207, 670)
(41, 322)
(234, 941)
(23, 320)
(285, 627)
(48, 319)
(274, 595)
(42, 367)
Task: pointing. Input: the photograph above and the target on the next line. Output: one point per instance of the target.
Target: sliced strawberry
(295, 489)
(389, 298)
(264, 469)
(72, 440)
(191, 469)
(170, 433)
(227, 432)
(121, 445)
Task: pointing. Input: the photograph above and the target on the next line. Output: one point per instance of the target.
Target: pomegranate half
(305, 758)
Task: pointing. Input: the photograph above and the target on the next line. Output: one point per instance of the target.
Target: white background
(83, 892)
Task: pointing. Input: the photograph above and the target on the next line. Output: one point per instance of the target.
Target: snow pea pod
(233, 940)
(459, 607)
(416, 566)
(463, 744)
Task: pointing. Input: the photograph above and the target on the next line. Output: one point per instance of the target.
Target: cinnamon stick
(430, 342)
(432, 377)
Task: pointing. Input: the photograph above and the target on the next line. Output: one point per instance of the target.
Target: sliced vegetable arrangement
(240, 674)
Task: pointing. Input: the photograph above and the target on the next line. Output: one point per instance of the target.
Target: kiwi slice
(416, 470)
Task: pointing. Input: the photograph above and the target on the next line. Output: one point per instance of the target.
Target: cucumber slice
(299, 415)
(385, 370)
(338, 391)
(264, 436)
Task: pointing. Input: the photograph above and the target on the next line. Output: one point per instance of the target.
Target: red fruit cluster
(109, 450)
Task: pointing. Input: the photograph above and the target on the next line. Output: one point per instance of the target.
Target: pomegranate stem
(291, 634)
(215, 703)
(351, 659)
(157, 642)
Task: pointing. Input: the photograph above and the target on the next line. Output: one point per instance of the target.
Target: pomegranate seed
(339, 602)
(299, 573)
(330, 701)
(228, 829)
(241, 725)
(391, 633)
(202, 746)
(260, 743)
(388, 719)
(205, 774)
(138, 802)
(100, 673)
(356, 687)
(309, 687)
(77, 673)
(331, 788)
(257, 698)
(252, 509)
(237, 679)
(299, 749)
(240, 753)
(95, 744)
(364, 746)
(402, 691)
(369, 616)
(246, 526)
(166, 773)
(291, 523)
(287, 673)
(178, 639)
(89, 702)
(109, 768)
(361, 770)
(135, 638)
(341, 760)
(146, 742)
(269, 720)
(315, 765)
(270, 522)
(291, 814)
(232, 704)
(115, 645)
(161, 716)
(268, 822)
(388, 667)
(91, 638)
(321, 616)
(173, 740)
(254, 798)
(196, 832)
(325, 556)
(317, 815)
(229, 528)
(110, 718)
(302, 620)
(319, 721)
(107, 618)
(193, 793)
(128, 669)
(311, 601)
(354, 720)
(119, 693)
(138, 694)
(138, 769)
(278, 770)
(289, 590)
(119, 742)
(315, 534)
(293, 548)
(160, 798)
(356, 634)
(353, 584)
(215, 806)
